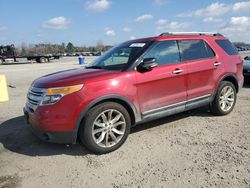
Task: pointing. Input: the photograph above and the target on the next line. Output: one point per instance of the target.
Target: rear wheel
(42, 60)
(225, 99)
(105, 128)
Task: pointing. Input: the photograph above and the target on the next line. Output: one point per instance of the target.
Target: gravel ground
(191, 149)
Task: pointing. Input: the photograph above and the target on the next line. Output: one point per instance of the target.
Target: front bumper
(62, 137)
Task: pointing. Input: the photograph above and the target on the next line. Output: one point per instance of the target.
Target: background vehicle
(246, 68)
(7, 54)
(136, 81)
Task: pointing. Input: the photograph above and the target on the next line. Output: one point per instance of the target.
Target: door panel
(203, 67)
(202, 76)
(165, 84)
(161, 87)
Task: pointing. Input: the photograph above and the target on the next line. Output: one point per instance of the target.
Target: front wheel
(105, 127)
(225, 99)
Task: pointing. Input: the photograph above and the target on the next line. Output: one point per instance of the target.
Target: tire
(103, 141)
(224, 102)
(42, 60)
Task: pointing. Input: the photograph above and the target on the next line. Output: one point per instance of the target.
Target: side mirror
(147, 64)
(247, 58)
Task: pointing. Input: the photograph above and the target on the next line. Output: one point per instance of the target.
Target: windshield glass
(120, 57)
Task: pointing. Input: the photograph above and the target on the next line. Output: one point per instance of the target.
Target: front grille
(34, 97)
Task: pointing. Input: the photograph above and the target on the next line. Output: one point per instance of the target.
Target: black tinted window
(165, 52)
(227, 46)
(193, 50)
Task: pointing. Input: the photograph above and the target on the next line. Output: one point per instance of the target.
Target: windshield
(120, 57)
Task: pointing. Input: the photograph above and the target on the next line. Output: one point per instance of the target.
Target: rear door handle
(217, 64)
(177, 71)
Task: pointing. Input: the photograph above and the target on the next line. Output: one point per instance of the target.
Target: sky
(85, 22)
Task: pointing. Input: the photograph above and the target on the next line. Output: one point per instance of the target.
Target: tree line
(69, 48)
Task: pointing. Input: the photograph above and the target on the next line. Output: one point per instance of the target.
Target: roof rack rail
(191, 33)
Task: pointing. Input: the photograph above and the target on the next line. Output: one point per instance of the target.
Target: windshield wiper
(94, 67)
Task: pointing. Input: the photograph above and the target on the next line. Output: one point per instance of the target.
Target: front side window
(165, 52)
(194, 50)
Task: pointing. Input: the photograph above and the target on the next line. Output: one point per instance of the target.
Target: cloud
(240, 21)
(237, 28)
(213, 10)
(3, 28)
(245, 5)
(159, 2)
(57, 23)
(216, 9)
(144, 18)
(211, 19)
(127, 29)
(132, 38)
(98, 5)
(110, 32)
(161, 22)
(171, 26)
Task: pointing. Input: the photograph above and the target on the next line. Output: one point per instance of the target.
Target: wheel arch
(126, 103)
(231, 78)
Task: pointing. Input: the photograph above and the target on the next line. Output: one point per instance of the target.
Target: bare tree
(99, 46)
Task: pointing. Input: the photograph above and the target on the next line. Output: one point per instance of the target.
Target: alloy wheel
(108, 128)
(227, 98)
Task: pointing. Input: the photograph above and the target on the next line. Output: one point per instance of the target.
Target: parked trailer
(8, 55)
(42, 58)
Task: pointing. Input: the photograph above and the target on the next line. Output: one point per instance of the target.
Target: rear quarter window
(227, 46)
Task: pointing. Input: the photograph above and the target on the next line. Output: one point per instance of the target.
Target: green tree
(70, 47)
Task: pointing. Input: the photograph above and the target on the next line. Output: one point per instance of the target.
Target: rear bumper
(62, 137)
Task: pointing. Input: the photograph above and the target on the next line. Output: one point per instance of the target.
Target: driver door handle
(217, 63)
(177, 71)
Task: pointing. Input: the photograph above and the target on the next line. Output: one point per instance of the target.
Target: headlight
(53, 95)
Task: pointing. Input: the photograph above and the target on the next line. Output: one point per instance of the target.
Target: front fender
(110, 97)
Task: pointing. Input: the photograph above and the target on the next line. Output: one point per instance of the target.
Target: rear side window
(210, 52)
(227, 46)
(194, 50)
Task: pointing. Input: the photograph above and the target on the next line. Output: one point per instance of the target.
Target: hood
(69, 77)
(246, 64)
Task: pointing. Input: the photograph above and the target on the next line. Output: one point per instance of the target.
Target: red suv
(136, 81)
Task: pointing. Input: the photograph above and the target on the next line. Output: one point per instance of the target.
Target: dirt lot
(191, 149)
